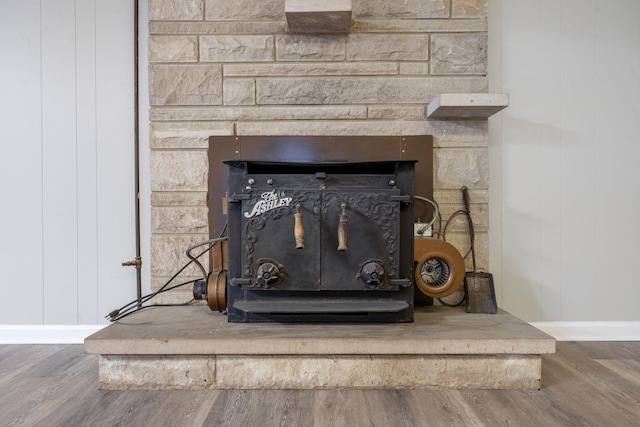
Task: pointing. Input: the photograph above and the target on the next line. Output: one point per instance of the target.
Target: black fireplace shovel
(478, 286)
(481, 295)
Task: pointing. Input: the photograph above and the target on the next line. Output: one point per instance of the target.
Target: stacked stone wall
(231, 68)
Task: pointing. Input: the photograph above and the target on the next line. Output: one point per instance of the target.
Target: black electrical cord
(459, 303)
(467, 213)
(131, 308)
(116, 314)
(210, 242)
(136, 305)
(151, 306)
(444, 233)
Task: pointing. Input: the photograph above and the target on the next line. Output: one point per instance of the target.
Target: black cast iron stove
(320, 241)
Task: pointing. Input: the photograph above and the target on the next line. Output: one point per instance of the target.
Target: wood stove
(320, 229)
(320, 241)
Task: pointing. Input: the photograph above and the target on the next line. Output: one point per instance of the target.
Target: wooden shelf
(466, 106)
(318, 16)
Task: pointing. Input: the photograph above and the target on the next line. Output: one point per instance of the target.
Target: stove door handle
(298, 229)
(343, 229)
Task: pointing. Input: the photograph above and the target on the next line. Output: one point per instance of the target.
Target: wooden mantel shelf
(466, 106)
(318, 16)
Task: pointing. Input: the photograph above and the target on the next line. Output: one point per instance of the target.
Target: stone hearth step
(192, 347)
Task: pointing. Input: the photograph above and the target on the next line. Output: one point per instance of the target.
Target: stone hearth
(194, 348)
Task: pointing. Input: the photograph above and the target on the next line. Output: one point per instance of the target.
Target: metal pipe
(137, 262)
(136, 99)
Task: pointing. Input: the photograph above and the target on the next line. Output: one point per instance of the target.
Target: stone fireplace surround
(231, 68)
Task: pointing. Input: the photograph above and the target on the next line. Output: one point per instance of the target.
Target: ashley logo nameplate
(270, 200)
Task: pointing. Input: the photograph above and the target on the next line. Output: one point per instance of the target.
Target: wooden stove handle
(298, 229)
(343, 229)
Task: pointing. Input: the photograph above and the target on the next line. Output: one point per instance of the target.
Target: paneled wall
(66, 160)
(564, 158)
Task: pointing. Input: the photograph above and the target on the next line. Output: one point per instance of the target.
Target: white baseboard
(46, 334)
(591, 331)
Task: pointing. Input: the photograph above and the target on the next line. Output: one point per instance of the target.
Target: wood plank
(17, 360)
(30, 404)
(185, 408)
(440, 408)
(229, 408)
(341, 408)
(587, 389)
(57, 363)
(514, 407)
(628, 369)
(131, 408)
(79, 391)
(610, 350)
(601, 377)
(262, 407)
(389, 408)
(41, 391)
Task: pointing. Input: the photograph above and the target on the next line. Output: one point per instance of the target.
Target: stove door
(272, 259)
(360, 239)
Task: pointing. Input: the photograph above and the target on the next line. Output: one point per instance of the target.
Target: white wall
(66, 160)
(564, 158)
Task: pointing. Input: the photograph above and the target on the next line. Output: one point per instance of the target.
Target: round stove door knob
(267, 274)
(372, 273)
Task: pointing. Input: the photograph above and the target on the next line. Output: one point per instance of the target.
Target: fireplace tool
(479, 289)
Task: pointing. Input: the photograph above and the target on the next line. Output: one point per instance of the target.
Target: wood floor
(584, 384)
